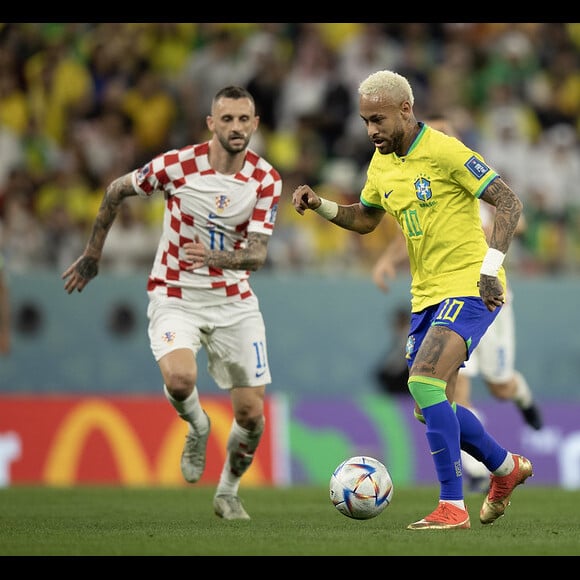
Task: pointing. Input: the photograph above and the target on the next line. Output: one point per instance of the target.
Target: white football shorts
(494, 356)
(233, 335)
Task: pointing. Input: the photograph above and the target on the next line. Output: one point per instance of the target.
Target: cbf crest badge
(221, 202)
(423, 189)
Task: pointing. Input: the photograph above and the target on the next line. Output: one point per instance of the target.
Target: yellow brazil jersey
(433, 192)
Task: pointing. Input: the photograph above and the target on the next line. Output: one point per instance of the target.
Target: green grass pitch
(295, 521)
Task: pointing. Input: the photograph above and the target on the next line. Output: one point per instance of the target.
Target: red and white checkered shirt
(220, 209)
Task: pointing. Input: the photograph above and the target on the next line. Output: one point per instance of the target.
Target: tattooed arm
(252, 257)
(354, 217)
(508, 209)
(86, 267)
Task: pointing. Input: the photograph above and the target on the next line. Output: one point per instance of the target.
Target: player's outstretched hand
(80, 273)
(305, 198)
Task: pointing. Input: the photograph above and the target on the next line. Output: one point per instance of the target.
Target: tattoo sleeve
(508, 210)
(114, 195)
(358, 218)
(88, 267)
(252, 257)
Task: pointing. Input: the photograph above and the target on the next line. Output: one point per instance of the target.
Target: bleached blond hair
(387, 82)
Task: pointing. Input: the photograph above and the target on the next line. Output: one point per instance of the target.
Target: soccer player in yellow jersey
(431, 183)
(494, 357)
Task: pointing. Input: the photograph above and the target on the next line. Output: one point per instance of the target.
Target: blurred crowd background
(82, 103)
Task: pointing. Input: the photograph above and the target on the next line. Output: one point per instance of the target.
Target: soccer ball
(361, 488)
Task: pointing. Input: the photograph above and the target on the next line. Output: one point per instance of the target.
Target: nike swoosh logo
(387, 194)
(260, 373)
(438, 451)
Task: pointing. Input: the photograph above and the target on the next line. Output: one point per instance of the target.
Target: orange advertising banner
(118, 440)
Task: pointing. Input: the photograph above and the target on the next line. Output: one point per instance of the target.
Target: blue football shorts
(468, 316)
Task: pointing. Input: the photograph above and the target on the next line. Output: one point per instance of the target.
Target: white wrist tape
(492, 262)
(327, 209)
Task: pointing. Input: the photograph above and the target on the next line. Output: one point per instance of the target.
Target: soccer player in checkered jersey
(221, 200)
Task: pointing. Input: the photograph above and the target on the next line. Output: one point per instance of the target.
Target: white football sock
(240, 453)
(523, 397)
(459, 503)
(472, 467)
(189, 409)
(507, 466)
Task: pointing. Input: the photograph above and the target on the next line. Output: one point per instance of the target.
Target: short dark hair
(233, 92)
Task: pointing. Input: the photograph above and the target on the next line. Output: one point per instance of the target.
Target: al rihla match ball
(361, 487)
